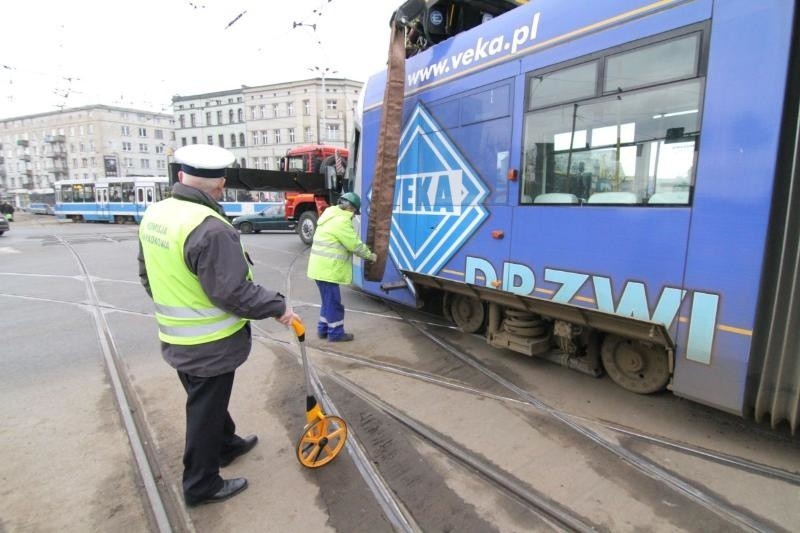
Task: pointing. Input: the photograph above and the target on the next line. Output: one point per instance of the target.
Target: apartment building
(82, 143)
(284, 115)
(212, 118)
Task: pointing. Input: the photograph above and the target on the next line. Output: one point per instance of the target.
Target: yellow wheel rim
(321, 441)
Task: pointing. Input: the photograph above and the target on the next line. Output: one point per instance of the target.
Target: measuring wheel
(321, 441)
(634, 365)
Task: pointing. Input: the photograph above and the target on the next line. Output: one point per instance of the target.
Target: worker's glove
(373, 258)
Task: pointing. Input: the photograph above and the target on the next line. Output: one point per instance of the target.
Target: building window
(192, 120)
(330, 105)
(291, 135)
(126, 130)
(332, 132)
(182, 121)
(290, 109)
(256, 163)
(264, 139)
(145, 163)
(255, 138)
(275, 110)
(126, 147)
(243, 162)
(161, 164)
(253, 112)
(221, 139)
(143, 147)
(307, 107)
(91, 129)
(219, 116)
(230, 116)
(233, 140)
(210, 139)
(159, 148)
(183, 141)
(81, 146)
(159, 134)
(84, 163)
(142, 132)
(241, 139)
(308, 135)
(240, 115)
(277, 135)
(194, 140)
(262, 110)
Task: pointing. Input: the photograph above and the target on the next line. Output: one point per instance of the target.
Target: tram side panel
(748, 60)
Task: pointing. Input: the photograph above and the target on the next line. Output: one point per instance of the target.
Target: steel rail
(158, 511)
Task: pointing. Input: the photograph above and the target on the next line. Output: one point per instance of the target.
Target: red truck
(305, 207)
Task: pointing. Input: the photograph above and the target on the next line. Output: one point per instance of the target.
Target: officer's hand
(373, 258)
(287, 317)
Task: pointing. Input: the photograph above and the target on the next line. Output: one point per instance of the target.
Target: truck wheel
(306, 227)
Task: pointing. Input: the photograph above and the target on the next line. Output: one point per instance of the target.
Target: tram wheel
(637, 366)
(468, 313)
(321, 441)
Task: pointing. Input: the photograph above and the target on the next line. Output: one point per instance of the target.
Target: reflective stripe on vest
(184, 313)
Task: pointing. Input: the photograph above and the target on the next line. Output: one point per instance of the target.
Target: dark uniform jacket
(213, 253)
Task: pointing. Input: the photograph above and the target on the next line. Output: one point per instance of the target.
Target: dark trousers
(210, 433)
(331, 314)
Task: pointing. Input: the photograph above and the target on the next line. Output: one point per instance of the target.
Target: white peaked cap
(198, 159)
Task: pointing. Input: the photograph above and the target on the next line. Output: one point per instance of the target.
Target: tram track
(560, 515)
(732, 461)
(163, 510)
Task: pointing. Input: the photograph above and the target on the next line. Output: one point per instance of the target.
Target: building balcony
(57, 155)
(22, 142)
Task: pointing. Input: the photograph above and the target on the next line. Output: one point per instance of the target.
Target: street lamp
(322, 72)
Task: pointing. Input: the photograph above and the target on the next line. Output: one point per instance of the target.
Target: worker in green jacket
(330, 263)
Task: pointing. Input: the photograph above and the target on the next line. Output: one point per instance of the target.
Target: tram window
(66, 193)
(128, 192)
(149, 195)
(640, 142)
(88, 192)
(140, 195)
(486, 105)
(564, 85)
(77, 193)
(666, 61)
(114, 192)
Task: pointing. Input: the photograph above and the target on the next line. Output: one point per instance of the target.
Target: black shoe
(230, 488)
(322, 335)
(248, 443)
(344, 338)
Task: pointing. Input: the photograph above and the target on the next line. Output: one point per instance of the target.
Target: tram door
(145, 195)
(101, 194)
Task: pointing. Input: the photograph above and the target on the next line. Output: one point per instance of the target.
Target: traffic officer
(192, 264)
(330, 263)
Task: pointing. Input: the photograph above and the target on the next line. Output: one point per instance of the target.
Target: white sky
(139, 53)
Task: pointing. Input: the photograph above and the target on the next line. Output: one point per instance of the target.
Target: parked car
(41, 209)
(271, 218)
(4, 225)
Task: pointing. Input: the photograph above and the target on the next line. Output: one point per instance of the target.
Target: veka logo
(437, 198)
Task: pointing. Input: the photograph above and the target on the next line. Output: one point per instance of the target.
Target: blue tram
(118, 200)
(121, 200)
(611, 185)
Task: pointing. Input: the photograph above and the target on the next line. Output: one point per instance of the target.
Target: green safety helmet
(352, 199)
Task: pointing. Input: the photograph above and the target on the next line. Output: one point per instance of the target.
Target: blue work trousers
(331, 315)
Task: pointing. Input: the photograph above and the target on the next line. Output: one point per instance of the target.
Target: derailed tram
(612, 187)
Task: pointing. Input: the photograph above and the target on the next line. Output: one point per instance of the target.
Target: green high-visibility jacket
(335, 240)
(184, 313)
